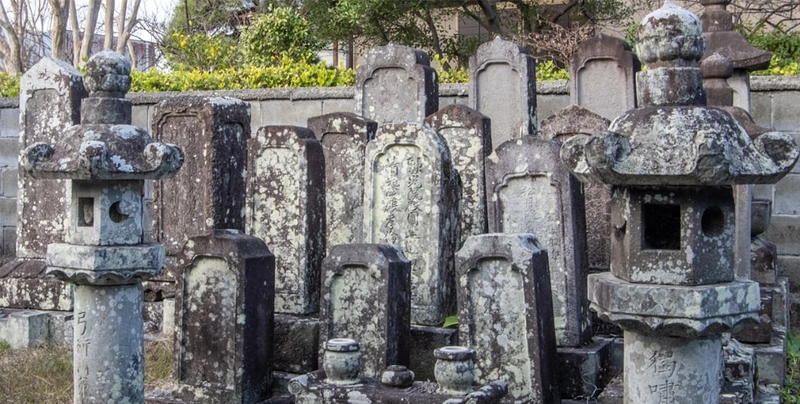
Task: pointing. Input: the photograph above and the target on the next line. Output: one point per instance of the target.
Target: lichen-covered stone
(344, 137)
(396, 84)
(530, 191)
(505, 314)
(411, 199)
(502, 86)
(50, 97)
(692, 312)
(366, 294)
(224, 321)
(209, 191)
(468, 136)
(286, 208)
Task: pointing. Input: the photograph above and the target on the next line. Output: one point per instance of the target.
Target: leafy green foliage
(9, 87)
(287, 74)
(279, 33)
(4, 345)
(201, 51)
(450, 321)
(790, 394)
(785, 48)
(548, 70)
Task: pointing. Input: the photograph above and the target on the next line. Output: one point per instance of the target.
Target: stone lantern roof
(105, 146)
(673, 138)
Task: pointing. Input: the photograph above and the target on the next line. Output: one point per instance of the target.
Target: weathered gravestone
(561, 126)
(344, 138)
(603, 74)
(286, 209)
(224, 321)
(209, 191)
(502, 86)
(530, 191)
(50, 97)
(411, 199)
(366, 293)
(505, 314)
(396, 84)
(468, 136)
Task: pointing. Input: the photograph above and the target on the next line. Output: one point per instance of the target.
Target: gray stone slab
(583, 372)
(366, 295)
(224, 320)
(24, 328)
(784, 231)
(9, 182)
(23, 285)
(344, 137)
(787, 193)
(287, 112)
(411, 199)
(502, 86)
(286, 209)
(602, 63)
(789, 267)
(505, 314)
(208, 192)
(468, 136)
(50, 98)
(530, 191)
(396, 84)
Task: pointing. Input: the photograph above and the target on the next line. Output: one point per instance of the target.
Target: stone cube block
(105, 215)
(24, 328)
(672, 236)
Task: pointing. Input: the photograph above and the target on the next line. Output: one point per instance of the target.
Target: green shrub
(790, 394)
(548, 70)
(201, 52)
(279, 33)
(785, 48)
(9, 85)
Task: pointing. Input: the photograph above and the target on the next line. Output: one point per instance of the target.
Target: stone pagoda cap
(105, 146)
(674, 138)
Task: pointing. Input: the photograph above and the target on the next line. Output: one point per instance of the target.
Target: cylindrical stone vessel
(671, 370)
(454, 369)
(108, 344)
(342, 361)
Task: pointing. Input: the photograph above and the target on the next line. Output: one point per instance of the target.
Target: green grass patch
(791, 390)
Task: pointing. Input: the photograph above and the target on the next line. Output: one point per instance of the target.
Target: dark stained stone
(366, 295)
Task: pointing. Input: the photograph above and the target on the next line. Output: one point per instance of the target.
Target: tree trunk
(108, 41)
(88, 32)
(58, 30)
(126, 28)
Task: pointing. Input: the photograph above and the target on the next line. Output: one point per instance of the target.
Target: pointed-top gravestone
(502, 86)
(410, 200)
(506, 315)
(468, 134)
(396, 84)
(575, 120)
(344, 138)
(600, 64)
(49, 102)
(209, 192)
(286, 208)
(529, 191)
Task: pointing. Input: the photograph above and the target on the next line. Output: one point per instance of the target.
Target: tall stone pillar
(107, 161)
(671, 163)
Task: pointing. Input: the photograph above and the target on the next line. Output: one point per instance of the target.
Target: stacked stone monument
(107, 161)
(671, 162)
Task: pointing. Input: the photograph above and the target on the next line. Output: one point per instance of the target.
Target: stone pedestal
(105, 317)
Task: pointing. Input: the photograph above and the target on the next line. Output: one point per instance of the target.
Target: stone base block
(297, 345)
(794, 312)
(583, 372)
(24, 285)
(423, 341)
(24, 328)
(771, 360)
(768, 395)
(168, 319)
(781, 305)
(738, 371)
(153, 317)
(760, 332)
(613, 393)
(61, 328)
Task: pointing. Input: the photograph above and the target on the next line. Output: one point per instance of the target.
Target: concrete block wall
(9, 152)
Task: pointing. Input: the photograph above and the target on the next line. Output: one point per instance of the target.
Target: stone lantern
(671, 163)
(107, 161)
